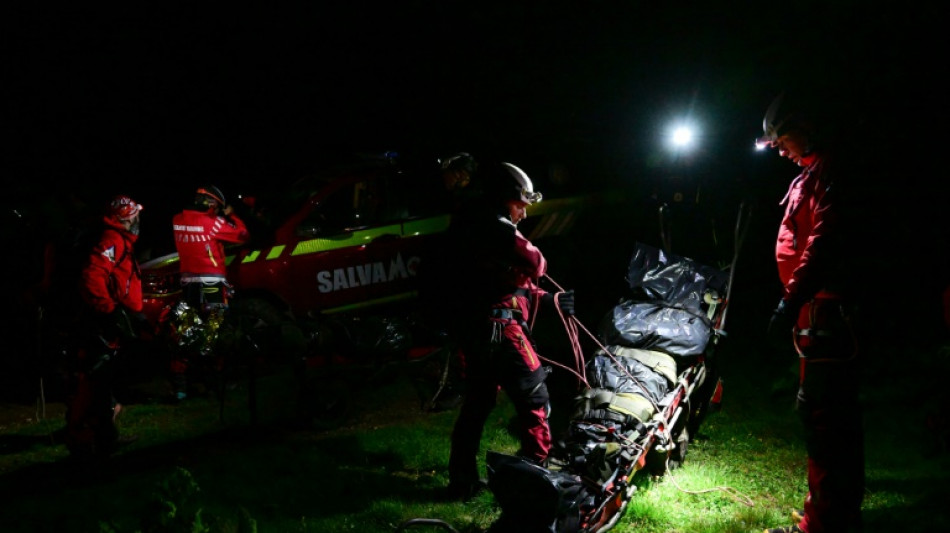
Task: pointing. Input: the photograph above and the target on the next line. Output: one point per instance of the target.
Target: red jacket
(111, 277)
(200, 238)
(804, 250)
(527, 266)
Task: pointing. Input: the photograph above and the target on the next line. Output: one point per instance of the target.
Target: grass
(386, 464)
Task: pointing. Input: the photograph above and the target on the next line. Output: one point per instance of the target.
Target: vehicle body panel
(341, 242)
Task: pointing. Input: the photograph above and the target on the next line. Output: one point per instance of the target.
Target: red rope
(571, 325)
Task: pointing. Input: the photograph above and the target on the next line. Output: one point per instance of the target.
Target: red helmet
(123, 208)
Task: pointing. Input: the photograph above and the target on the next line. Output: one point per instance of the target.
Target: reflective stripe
(189, 278)
(358, 238)
(275, 252)
(808, 332)
(412, 228)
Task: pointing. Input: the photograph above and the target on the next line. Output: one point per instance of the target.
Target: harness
(506, 314)
(501, 317)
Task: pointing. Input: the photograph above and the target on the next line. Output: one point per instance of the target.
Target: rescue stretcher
(642, 397)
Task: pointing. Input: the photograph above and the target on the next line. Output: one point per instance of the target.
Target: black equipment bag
(533, 498)
(668, 311)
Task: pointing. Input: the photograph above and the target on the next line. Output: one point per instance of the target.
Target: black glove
(120, 324)
(141, 325)
(781, 324)
(565, 301)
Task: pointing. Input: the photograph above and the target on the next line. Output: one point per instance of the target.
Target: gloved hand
(141, 325)
(781, 324)
(121, 324)
(565, 301)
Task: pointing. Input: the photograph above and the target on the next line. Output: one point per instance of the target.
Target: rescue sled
(642, 398)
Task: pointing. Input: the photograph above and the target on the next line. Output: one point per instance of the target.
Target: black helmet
(777, 121)
(509, 182)
(805, 110)
(210, 197)
(460, 161)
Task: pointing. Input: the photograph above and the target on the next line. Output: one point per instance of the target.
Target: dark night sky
(187, 90)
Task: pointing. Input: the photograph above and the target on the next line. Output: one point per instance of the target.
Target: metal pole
(39, 358)
(666, 238)
(740, 231)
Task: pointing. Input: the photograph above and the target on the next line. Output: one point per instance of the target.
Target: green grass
(744, 472)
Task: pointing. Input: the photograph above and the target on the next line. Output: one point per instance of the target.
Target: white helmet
(523, 189)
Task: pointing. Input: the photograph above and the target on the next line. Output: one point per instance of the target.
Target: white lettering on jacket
(367, 274)
(196, 229)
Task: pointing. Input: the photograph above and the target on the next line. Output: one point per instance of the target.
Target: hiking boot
(787, 529)
(464, 492)
(798, 515)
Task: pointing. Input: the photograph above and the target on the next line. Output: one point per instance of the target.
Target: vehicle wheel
(257, 329)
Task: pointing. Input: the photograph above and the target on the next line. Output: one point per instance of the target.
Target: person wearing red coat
(111, 292)
(814, 316)
(201, 232)
(503, 269)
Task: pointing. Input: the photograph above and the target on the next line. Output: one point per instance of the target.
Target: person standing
(111, 292)
(492, 325)
(201, 231)
(814, 316)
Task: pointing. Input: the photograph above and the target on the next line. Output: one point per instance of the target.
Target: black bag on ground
(533, 498)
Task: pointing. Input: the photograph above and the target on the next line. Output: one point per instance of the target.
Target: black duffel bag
(533, 498)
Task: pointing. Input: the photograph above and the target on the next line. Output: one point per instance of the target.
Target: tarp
(666, 311)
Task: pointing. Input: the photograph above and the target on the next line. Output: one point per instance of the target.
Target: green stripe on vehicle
(426, 226)
(412, 228)
(275, 252)
(358, 238)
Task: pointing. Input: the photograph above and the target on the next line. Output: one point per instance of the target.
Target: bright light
(682, 136)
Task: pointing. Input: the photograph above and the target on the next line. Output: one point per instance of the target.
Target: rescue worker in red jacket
(200, 232)
(503, 268)
(111, 292)
(813, 315)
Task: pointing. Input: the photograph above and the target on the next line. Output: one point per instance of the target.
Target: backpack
(63, 306)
